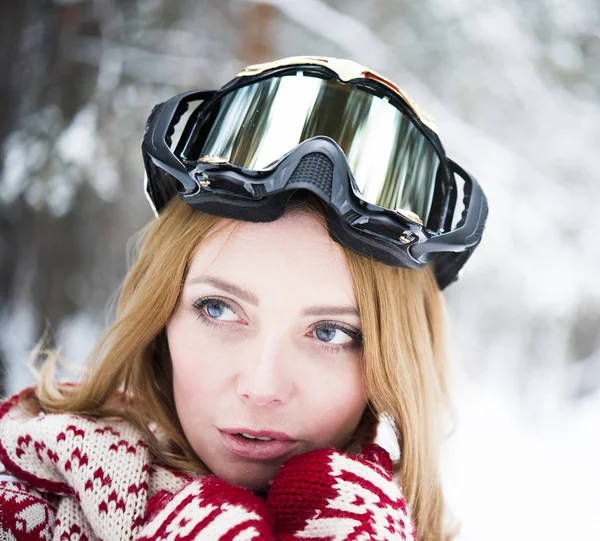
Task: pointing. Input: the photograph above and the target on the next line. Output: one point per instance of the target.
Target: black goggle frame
(382, 234)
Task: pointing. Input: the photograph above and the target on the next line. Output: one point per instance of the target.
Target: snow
(14, 169)
(17, 342)
(509, 476)
(77, 143)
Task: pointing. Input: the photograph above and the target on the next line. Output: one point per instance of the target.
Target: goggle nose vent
(315, 171)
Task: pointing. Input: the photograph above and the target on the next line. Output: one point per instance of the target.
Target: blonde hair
(129, 375)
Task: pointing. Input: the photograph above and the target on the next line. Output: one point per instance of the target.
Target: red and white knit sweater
(74, 478)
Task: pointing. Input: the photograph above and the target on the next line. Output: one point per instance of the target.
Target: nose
(264, 378)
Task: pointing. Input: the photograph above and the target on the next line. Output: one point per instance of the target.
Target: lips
(276, 446)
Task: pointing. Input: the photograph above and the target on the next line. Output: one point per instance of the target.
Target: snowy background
(515, 89)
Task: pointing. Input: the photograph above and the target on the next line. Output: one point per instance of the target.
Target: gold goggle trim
(413, 216)
(211, 158)
(346, 70)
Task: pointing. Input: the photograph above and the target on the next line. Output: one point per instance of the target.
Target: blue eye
(211, 308)
(214, 309)
(325, 333)
(336, 335)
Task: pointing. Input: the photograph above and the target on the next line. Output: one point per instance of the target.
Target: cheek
(194, 383)
(193, 350)
(336, 405)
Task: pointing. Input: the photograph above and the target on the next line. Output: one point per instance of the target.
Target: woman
(286, 299)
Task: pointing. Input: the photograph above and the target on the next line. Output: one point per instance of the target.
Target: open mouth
(254, 438)
(258, 445)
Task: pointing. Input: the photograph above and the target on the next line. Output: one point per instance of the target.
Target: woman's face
(266, 348)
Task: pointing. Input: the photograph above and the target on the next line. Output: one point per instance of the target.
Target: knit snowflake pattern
(210, 509)
(330, 496)
(101, 468)
(365, 506)
(25, 514)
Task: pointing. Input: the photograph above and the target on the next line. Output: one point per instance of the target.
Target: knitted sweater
(73, 478)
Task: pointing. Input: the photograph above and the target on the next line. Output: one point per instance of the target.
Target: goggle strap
(159, 128)
(470, 227)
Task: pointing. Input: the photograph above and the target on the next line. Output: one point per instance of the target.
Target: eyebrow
(331, 311)
(226, 286)
(251, 298)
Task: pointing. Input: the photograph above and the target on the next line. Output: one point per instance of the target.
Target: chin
(256, 482)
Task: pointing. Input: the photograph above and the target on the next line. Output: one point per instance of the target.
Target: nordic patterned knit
(73, 478)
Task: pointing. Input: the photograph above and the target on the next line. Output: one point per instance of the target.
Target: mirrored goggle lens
(393, 163)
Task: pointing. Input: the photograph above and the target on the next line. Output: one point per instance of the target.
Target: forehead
(294, 251)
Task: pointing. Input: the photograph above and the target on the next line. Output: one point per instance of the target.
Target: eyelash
(202, 316)
(355, 335)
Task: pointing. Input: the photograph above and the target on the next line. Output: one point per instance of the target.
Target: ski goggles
(332, 128)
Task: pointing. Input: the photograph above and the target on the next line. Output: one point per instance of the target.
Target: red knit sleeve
(25, 514)
(207, 508)
(325, 494)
